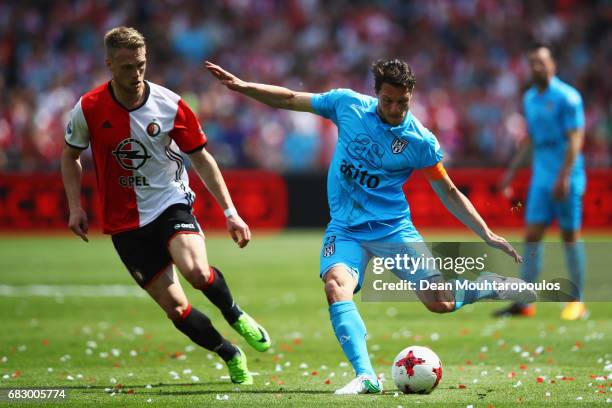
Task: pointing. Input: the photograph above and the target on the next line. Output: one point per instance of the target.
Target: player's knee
(336, 291)
(440, 307)
(569, 236)
(177, 312)
(198, 276)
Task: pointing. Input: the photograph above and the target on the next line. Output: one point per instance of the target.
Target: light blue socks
(351, 334)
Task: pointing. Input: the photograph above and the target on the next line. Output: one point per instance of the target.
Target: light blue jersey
(372, 160)
(550, 116)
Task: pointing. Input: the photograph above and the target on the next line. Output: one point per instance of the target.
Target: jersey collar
(144, 100)
(371, 110)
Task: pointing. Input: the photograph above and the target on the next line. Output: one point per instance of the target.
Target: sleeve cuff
(76, 147)
(197, 149)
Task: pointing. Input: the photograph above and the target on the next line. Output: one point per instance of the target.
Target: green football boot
(253, 333)
(238, 370)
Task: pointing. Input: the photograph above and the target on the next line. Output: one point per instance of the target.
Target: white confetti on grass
(133, 353)
(195, 378)
(223, 397)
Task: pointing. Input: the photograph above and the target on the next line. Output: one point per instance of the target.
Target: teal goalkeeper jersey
(372, 160)
(550, 115)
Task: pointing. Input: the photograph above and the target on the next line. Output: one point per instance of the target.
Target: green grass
(276, 280)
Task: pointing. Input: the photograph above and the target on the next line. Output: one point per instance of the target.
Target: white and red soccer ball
(416, 370)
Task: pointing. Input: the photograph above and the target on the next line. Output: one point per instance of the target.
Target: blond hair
(123, 37)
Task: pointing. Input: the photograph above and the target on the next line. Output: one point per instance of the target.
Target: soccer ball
(416, 370)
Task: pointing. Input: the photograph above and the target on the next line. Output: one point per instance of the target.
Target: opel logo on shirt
(131, 154)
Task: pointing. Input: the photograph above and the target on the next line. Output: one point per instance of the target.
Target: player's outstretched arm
(71, 175)
(459, 205)
(519, 159)
(271, 95)
(207, 169)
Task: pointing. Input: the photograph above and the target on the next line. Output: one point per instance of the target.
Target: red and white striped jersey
(139, 168)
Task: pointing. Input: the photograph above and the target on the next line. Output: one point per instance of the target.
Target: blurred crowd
(468, 57)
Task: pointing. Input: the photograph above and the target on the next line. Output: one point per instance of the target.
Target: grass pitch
(73, 318)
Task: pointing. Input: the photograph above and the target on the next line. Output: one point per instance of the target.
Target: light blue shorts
(354, 247)
(542, 208)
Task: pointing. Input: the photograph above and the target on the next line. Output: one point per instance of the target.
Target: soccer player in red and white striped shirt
(137, 131)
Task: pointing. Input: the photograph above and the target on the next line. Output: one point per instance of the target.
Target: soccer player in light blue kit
(380, 143)
(555, 121)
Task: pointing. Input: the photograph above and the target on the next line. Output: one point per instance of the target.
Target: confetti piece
(540, 379)
(328, 381)
(461, 386)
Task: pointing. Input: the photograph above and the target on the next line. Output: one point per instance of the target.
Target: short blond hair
(123, 37)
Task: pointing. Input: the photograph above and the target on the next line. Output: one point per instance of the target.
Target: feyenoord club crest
(153, 129)
(398, 145)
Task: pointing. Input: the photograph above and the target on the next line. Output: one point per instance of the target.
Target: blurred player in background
(137, 131)
(555, 122)
(380, 144)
